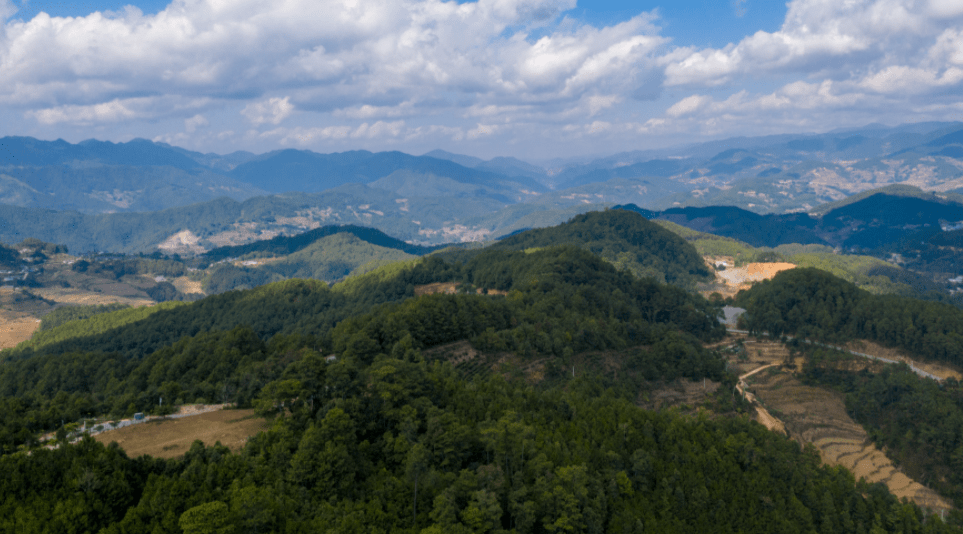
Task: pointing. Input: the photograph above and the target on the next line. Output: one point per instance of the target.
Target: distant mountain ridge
(876, 218)
(283, 245)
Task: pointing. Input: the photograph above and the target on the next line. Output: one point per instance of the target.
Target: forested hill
(284, 245)
(814, 304)
(391, 437)
(624, 238)
(867, 221)
(560, 300)
(310, 308)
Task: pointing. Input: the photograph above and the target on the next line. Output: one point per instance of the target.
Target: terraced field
(818, 416)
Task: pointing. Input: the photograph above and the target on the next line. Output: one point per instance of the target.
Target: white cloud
(113, 111)
(7, 9)
(824, 38)
(688, 105)
(273, 111)
(192, 124)
(488, 71)
(362, 57)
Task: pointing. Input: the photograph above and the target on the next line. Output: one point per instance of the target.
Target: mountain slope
(298, 170)
(283, 245)
(623, 238)
(330, 258)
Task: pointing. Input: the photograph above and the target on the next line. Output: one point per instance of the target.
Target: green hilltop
(377, 429)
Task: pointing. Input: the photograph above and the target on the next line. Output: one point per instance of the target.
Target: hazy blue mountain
(461, 159)
(874, 220)
(220, 162)
(98, 177)
(302, 170)
(507, 166)
(139, 153)
(284, 245)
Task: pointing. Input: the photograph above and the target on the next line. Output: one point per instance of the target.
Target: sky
(534, 79)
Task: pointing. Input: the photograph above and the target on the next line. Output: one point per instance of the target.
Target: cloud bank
(334, 74)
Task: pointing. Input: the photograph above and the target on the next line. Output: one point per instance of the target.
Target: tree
(417, 464)
(207, 518)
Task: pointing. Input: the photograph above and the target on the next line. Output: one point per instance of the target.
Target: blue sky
(528, 78)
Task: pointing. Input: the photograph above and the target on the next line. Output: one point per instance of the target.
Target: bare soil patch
(169, 438)
(447, 288)
(734, 279)
(753, 272)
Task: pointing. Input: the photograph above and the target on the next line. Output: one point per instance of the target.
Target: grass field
(168, 438)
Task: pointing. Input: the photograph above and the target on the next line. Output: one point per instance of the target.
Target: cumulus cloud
(826, 39)
(7, 9)
(841, 63)
(361, 58)
(192, 124)
(113, 111)
(418, 70)
(273, 111)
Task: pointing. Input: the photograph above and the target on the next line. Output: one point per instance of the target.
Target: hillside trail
(762, 415)
(818, 416)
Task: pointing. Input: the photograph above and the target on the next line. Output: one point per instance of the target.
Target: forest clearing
(168, 438)
(15, 328)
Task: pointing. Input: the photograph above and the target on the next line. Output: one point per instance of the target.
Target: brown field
(87, 298)
(168, 438)
(818, 416)
(15, 329)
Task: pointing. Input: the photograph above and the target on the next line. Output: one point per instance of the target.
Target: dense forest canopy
(624, 238)
(389, 436)
(811, 303)
(284, 245)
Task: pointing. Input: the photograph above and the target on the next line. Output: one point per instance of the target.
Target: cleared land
(818, 416)
(15, 329)
(734, 279)
(187, 286)
(168, 438)
(939, 369)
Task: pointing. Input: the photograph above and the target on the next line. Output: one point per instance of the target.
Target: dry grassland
(169, 438)
(186, 285)
(89, 298)
(15, 329)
